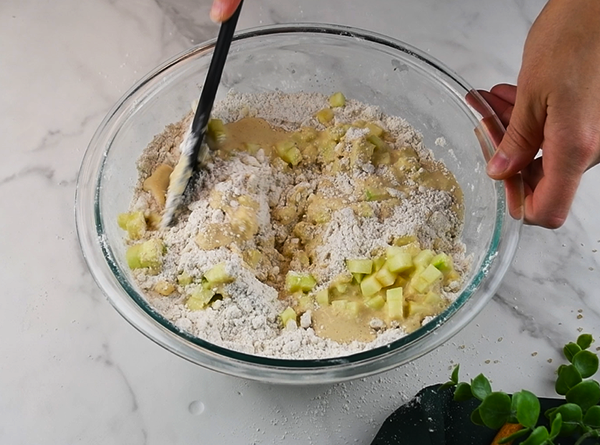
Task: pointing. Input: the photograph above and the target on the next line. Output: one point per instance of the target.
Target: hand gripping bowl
(312, 58)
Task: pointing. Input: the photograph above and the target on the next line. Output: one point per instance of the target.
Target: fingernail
(498, 164)
(216, 12)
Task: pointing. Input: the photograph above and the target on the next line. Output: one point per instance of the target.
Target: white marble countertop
(73, 371)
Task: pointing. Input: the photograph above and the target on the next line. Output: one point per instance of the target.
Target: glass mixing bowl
(368, 67)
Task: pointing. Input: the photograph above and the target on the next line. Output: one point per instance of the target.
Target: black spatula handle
(213, 78)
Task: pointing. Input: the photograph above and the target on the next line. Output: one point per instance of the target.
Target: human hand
(223, 9)
(556, 107)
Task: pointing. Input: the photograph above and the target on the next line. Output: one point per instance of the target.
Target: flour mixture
(319, 227)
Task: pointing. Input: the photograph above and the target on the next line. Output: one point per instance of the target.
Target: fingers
(489, 127)
(506, 92)
(223, 9)
(569, 149)
(523, 137)
(514, 196)
(472, 99)
(549, 203)
(532, 175)
(501, 107)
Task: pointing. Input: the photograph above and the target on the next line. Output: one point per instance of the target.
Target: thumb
(522, 140)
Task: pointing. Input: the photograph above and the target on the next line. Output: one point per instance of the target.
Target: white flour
(247, 320)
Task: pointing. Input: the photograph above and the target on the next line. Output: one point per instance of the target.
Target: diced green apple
(322, 297)
(378, 263)
(376, 303)
(183, 279)
(358, 277)
(360, 266)
(385, 277)
(293, 156)
(218, 274)
(422, 309)
(442, 262)
(370, 286)
(289, 152)
(133, 256)
(424, 280)
(337, 100)
(146, 255)
(339, 305)
(412, 248)
(405, 240)
(287, 315)
(151, 253)
(199, 298)
(400, 281)
(325, 116)
(374, 129)
(295, 281)
(423, 258)
(392, 251)
(433, 299)
(395, 303)
(400, 262)
(134, 223)
(377, 142)
(341, 288)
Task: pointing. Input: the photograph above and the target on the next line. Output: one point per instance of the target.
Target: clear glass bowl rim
(140, 314)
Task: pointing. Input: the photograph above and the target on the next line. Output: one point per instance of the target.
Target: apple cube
(322, 297)
(395, 303)
(218, 275)
(376, 303)
(337, 100)
(287, 315)
(360, 266)
(400, 262)
(295, 281)
(423, 281)
(370, 286)
(423, 258)
(385, 277)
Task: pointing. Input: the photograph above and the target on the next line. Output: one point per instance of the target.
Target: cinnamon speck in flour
(262, 217)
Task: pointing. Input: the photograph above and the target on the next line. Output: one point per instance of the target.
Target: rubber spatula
(192, 147)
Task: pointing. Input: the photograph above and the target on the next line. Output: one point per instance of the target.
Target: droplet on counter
(196, 407)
